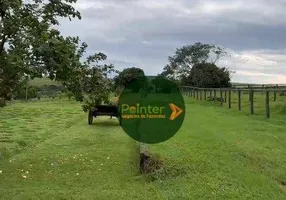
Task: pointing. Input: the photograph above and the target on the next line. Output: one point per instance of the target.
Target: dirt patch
(282, 183)
(283, 188)
(149, 163)
(155, 169)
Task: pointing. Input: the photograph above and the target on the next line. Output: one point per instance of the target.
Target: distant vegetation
(195, 65)
(40, 82)
(38, 88)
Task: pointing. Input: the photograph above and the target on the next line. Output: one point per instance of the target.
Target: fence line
(201, 94)
(263, 86)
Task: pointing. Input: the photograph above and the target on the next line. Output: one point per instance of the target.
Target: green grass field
(49, 152)
(277, 108)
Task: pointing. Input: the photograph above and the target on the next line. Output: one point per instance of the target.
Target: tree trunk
(2, 102)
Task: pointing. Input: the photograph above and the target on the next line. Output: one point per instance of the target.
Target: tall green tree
(29, 44)
(128, 75)
(91, 84)
(162, 85)
(207, 75)
(186, 57)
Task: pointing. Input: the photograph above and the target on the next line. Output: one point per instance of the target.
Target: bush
(129, 75)
(20, 93)
(163, 85)
(208, 75)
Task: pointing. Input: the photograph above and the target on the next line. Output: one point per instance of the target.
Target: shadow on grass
(105, 122)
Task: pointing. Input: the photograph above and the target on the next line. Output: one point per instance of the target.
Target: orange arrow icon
(176, 111)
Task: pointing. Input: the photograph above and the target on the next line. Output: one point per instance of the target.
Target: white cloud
(263, 65)
(146, 32)
(258, 77)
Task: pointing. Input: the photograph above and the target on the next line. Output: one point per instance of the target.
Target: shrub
(128, 75)
(20, 93)
(163, 85)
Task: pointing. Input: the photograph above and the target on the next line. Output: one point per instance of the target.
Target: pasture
(47, 151)
(275, 102)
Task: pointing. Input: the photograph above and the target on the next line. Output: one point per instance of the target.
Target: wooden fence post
(267, 104)
(211, 93)
(275, 94)
(197, 94)
(201, 95)
(214, 95)
(251, 96)
(221, 100)
(205, 94)
(229, 98)
(239, 99)
(26, 92)
(27, 83)
(225, 96)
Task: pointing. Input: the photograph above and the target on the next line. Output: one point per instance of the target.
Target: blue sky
(143, 33)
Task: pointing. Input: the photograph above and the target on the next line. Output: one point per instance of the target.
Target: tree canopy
(162, 85)
(92, 84)
(128, 75)
(207, 75)
(196, 65)
(30, 46)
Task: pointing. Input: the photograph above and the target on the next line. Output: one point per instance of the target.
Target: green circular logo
(151, 111)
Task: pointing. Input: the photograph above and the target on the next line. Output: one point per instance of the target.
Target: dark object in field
(104, 110)
(148, 163)
(282, 94)
(144, 159)
(216, 99)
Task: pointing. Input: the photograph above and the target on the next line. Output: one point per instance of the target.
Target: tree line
(191, 65)
(31, 46)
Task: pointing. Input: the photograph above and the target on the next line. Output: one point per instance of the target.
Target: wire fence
(225, 95)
